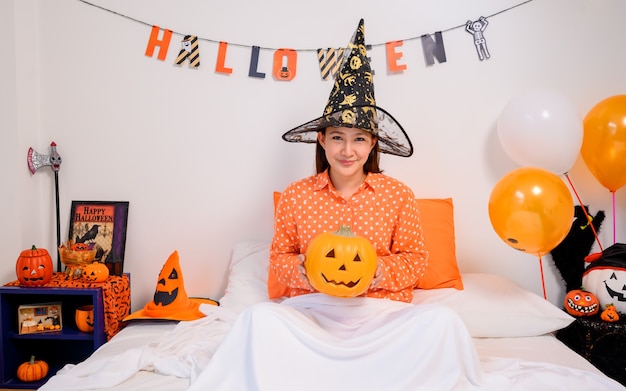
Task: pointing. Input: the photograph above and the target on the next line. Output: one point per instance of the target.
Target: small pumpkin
(579, 302)
(80, 247)
(609, 314)
(341, 263)
(32, 370)
(96, 272)
(34, 267)
(84, 318)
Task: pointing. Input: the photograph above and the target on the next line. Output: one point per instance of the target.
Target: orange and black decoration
(189, 51)
(352, 104)
(170, 299)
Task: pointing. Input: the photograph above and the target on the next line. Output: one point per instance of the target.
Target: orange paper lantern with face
(341, 263)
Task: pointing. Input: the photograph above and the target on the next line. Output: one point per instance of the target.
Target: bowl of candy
(75, 256)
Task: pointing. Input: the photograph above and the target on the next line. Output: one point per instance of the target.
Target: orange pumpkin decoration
(609, 314)
(84, 318)
(32, 370)
(96, 272)
(341, 263)
(80, 247)
(579, 302)
(34, 267)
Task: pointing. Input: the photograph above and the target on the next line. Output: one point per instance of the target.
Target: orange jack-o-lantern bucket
(84, 318)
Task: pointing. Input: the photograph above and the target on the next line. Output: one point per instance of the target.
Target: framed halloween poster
(101, 225)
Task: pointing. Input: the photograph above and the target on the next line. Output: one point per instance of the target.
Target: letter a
(189, 51)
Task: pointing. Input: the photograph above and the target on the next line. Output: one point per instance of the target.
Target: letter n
(433, 48)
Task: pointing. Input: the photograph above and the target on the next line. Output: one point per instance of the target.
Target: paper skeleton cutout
(476, 28)
(37, 160)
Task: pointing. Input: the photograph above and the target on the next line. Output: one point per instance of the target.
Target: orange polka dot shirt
(382, 210)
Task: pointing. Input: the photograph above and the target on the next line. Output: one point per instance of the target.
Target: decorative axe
(35, 162)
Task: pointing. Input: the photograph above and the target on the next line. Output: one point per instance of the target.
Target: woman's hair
(371, 165)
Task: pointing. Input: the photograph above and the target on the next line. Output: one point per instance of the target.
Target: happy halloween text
(94, 214)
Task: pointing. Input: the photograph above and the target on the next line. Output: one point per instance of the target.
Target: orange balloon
(531, 210)
(604, 142)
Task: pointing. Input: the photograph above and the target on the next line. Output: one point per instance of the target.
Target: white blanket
(316, 342)
(183, 352)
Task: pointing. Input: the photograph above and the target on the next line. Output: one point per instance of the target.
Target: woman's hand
(378, 276)
(302, 270)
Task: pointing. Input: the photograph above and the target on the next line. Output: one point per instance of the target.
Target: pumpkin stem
(34, 247)
(32, 358)
(345, 230)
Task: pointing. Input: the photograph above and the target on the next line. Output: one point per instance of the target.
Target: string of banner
(285, 60)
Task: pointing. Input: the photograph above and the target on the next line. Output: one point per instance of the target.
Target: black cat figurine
(569, 255)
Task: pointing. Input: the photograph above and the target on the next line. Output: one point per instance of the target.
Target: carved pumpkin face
(34, 267)
(609, 314)
(579, 302)
(84, 318)
(341, 263)
(96, 272)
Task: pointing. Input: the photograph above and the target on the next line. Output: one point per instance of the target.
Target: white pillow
(494, 306)
(489, 305)
(247, 276)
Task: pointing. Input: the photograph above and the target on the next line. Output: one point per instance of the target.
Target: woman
(313, 341)
(350, 189)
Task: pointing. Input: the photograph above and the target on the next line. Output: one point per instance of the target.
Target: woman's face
(347, 149)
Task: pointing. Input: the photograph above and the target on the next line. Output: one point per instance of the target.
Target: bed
(507, 325)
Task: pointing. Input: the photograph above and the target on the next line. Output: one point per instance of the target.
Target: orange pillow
(437, 218)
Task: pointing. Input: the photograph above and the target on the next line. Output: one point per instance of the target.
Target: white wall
(198, 154)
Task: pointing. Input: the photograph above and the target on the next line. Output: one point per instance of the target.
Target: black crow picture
(90, 235)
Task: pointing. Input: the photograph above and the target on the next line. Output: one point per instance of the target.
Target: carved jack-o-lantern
(34, 267)
(609, 314)
(606, 277)
(579, 302)
(341, 263)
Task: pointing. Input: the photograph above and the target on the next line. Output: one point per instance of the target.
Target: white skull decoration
(606, 277)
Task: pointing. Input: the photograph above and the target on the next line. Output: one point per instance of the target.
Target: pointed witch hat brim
(170, 300)
(352, 104)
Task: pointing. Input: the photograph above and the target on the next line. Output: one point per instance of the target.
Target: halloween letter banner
(285, 60)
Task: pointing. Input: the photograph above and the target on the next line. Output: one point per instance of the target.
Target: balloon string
(543, 281)
(580, 202)
(613, 197)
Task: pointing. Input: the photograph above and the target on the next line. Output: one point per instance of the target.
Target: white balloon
(541, 128)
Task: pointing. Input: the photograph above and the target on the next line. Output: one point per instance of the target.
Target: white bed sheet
(504, 320)
(544, 348)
